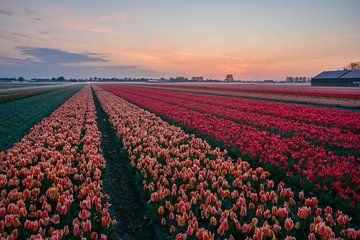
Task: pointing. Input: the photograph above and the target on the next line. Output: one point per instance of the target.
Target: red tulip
(289, 224)
(76, 229)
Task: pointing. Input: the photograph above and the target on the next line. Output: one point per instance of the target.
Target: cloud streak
(28, 11)
(7, 13)
(57, 56)
(23, 35)
(30, 69)
(51, 62)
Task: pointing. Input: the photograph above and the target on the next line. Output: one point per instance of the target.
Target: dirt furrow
(128, 206)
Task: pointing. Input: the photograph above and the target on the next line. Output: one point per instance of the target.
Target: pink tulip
(87, 227)
(76, 229)
(289, 224)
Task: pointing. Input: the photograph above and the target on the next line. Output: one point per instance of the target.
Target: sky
(251, 39)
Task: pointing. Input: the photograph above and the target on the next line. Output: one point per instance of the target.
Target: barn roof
(331, 74)
(352, 74)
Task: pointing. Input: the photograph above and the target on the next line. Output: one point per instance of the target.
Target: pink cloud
(80, 25)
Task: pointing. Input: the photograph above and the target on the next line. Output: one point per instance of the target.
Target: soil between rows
(128, 206)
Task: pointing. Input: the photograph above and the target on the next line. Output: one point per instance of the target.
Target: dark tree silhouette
(353, 66)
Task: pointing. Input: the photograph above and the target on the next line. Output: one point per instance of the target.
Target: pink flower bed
(199, 193)
(337, 177)
(51, 182)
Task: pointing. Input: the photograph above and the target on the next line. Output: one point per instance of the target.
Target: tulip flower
(289, 224)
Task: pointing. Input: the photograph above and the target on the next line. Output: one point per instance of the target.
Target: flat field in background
(348, 97)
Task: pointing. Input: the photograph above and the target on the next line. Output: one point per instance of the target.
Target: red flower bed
(328, 92)
(341, 136)
(267, 93)
(50, 181)
(344, 120)
(336, 177)
(199, 193)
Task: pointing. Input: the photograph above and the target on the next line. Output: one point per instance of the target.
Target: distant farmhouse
(229, 78)
(344, 78)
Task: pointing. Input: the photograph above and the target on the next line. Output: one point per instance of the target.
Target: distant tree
(353, 66)
(21, 79)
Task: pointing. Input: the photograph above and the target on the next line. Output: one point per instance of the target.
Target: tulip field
(203, 166)
(347, 97)
(51, 182)
(17, 117)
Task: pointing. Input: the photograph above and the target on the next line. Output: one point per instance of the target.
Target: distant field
(326, 96)
(17, 85)
(14, 88)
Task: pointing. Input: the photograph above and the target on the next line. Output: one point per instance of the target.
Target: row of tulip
(300, 113)
(337, 178)
(50, 181)
(332, 100)
(327, 92)
(197, 192)
(333, 138)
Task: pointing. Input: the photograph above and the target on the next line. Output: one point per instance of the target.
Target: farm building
(345, 78)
